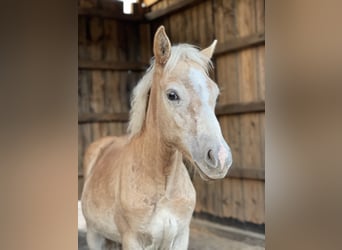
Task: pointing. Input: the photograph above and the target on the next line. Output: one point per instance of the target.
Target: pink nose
(218, 158)
(222, 155)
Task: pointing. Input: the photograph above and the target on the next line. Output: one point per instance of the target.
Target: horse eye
(172, 96)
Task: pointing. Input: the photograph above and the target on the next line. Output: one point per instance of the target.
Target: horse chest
(165, 225)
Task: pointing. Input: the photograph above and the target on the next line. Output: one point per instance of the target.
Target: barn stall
(114, 53)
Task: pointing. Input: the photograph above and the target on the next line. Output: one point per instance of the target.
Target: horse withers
(137, 190)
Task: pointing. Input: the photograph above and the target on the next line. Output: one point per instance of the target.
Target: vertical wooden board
(201, 25)
(233, 202)
(260, 15)
(85, 138)
(251, 141)
(233, 188)
(84, 89)
(132, 41)
(216, 192)
(210, 189)
(261, 72)
(201, 193)
(188, 25)
(122, 94)
(260, 26)
(97, 100)
(174, 24)
(114, 129)
(250, 123)
(193, 20)
(254, 203)
(224, 20)
(227, 80)
(260, 21)
(238, 199)
(96, 35)
(247, 74)
(82, 36)
(227, 198)
(95, 130)
(95, 52)
(262, 138)
(231, 134)
(226, 76)
(145, 45)
(127, 80)
(111, 92)
(218, 199)
(209, 23)
(97, 96)
(226, 187)
(96, 29)
(245, 17)
(121, 41)
(110, 41)
(185, 27)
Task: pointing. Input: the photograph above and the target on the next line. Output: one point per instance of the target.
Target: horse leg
(95, 240)
(130, 242)
(182, 240)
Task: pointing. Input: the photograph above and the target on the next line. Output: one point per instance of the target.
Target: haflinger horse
(137, 189)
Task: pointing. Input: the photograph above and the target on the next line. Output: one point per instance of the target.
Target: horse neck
(159, 157)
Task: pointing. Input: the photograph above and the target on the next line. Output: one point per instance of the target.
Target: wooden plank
(240, 108)
(102, 65)
(247, 173)
(250, 124)
(179, 6)
(149, 3)
(260, 62)
(240, 43)
(91, 118)
(137, 16)
(228, 80)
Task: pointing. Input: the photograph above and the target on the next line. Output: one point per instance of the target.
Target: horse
(137, 190)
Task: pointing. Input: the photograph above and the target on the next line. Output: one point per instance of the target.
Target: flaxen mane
(140, 94)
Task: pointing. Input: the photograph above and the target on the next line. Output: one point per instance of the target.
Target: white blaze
(199, 82)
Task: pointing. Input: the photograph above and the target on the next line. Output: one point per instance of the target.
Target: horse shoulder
(103, 176)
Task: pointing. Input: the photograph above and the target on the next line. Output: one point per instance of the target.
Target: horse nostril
(211, 160)
(210, 155)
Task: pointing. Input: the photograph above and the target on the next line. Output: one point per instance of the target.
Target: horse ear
(208, 52)
(161, 46)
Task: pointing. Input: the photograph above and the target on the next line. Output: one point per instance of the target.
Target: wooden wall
(239, 70)
(113, 55)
